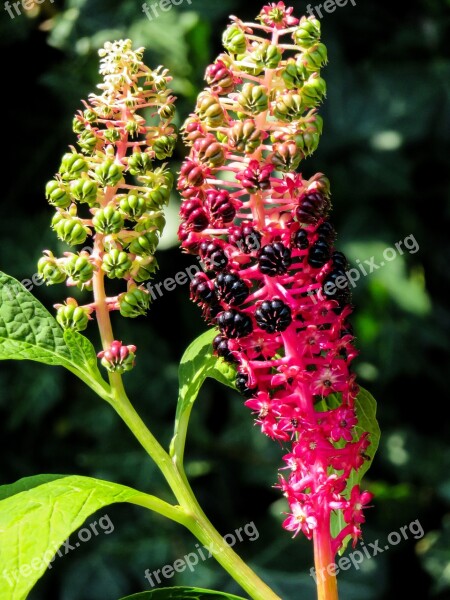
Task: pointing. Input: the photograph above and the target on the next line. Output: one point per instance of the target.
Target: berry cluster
(263, 234)
(111, 190)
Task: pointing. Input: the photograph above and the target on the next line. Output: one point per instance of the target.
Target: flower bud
(253, 98)
(50, 271)
(134, 303)
(78, 268)
(313, 91)
(108, 174)
(132, 206)
(145, 244)
(69, 229)
(84, 190)
(56, 194)
(289, 107)
(108, 220)
(307, 33)
(72, 166)
(72, 316)
(116, 264)
(234, 40)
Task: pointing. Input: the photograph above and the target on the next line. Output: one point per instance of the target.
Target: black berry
(319, 254)
(300, 239)
(234, 324)
(273, 316)
(231, 289)
(274, 259)
(220, 345)
(242, 386)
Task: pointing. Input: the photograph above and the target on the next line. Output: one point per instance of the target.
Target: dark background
(385, 149)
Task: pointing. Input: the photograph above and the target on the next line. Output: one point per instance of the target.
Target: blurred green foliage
(386, 150)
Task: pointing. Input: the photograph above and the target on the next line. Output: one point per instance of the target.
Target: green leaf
(29, 332)
(366, 409)
(197, 363)
(38, 519)
(182, 593)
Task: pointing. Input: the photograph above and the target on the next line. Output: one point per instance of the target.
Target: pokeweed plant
(273, 287)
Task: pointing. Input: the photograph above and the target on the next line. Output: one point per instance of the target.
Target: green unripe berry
(145, 244)
(116, 264)
(307, 139)
(167, 111)
(84, 190)
(269, 55)
(287, 156)
(56, 194)
(245, 137)
(210, 110)
(152, 220)
(164, 146)
(72, 316)
(307, 33)
(79, 268)
(69, 229)
(234, 40)
(139, 163)
(50, 271)
(313, 91)
(111, 135)
(134, 303)
(293, 75)
(253, 98)
(144, 268)
(87, 141)
(72, 166)
(314, 58)
(108, 174)
(158, 197)
(78, 126)
(289, 107)
(132, 206)
(90, 115)
(108, 220)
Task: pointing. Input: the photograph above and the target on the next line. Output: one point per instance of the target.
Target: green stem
(194, 518)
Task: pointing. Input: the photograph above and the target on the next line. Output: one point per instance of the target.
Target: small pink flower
(358, 500)
(277, 15)
(301, 519)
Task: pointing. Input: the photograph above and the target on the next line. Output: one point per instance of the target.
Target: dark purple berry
(333, 291)
(234, 324)
(339, 261)
(220, 206)
(213, 256)
(246, 238)
(231, 289)
(242, 386)
(220, 345)
(300, 240)
(319, 254)
(311, 208)
(326, 232)
(202, 290)
(273, 316)
(274, 259)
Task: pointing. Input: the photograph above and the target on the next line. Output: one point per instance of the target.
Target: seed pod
(145, 244)
(307, 33)
(72, 166)
(234, 40)
(56, 194)
(84, 190)
(108, 174)
(139, 163)
(108, 220)
(253, 98)
(134, 303)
